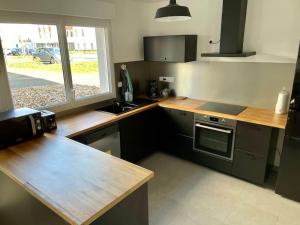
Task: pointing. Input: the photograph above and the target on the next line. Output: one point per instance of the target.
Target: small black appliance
(18, 125)
(48, 120)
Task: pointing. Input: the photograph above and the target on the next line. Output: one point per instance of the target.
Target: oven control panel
(214, 120)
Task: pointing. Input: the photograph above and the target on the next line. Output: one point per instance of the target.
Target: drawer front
(253, 138)
(180, 122)
(249, 166)
(181, 146)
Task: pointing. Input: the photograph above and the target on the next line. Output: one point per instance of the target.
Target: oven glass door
(214, 140)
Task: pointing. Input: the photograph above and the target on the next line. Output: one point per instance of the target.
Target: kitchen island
(54, 180)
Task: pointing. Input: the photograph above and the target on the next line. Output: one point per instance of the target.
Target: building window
(89, 66)
(50, 71)
(35, 74)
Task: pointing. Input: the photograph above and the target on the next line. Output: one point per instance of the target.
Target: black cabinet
(252, 146)
(176, 132)
(180, 122)
(138, 135)
(288, 183)
(177, 48)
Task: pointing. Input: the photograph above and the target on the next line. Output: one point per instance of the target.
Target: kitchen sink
(123, 107)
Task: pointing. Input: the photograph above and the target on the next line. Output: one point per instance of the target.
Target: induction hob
(223, 108)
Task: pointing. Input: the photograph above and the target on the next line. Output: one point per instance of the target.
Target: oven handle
(213, 128)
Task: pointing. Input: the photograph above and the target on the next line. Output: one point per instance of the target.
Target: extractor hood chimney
(232, 31)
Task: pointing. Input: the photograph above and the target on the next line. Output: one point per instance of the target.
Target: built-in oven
(214, 136)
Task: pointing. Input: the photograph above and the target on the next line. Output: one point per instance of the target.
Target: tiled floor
(183, 193)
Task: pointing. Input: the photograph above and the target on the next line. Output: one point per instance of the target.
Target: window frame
(61, 22)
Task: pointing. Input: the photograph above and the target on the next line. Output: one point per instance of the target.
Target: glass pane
(33, 63)
(88, 60)
(213, 140)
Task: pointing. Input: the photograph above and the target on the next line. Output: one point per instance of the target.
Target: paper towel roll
(282, 102)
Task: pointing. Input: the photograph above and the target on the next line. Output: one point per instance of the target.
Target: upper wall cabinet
(175, 48)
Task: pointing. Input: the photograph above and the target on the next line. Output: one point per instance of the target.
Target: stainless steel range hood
(232, 31)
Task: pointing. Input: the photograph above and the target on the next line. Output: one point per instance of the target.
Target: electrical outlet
(120, 84)
(167, 79)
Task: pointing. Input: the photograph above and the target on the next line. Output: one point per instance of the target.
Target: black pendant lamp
(173, 12)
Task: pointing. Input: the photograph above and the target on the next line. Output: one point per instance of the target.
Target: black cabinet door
(249, 166)
(180, 122)
(138, 135)
(178, 145)
(288, 183)
(176, 132)
(177, 48)
(253, 138)
(251, 151)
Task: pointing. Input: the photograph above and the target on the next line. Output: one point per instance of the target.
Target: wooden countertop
(75, 124)
(80, 183)
(77, 182)
(251, 115)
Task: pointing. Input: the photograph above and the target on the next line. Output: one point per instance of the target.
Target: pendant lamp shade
(173, 12)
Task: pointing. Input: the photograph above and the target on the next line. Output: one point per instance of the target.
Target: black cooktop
(223, 108)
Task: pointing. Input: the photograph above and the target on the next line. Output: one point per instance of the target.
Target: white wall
(248, 84)
(128, 29)
(82, 8)
(273, 26)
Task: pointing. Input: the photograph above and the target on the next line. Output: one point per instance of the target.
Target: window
(89, 65)
(48, 67)
(35, 74)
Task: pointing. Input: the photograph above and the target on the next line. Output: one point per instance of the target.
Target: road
(22, 81)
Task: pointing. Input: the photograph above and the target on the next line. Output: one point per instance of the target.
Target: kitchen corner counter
(75, 181)
(251, 115)
(76, 124)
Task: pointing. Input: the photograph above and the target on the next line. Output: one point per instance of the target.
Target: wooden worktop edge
(57, 209)
(118, 199)
(113, 120)
(32, 191)
(239, 117)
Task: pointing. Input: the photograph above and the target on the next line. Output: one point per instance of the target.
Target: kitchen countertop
(77, 182)
(76, 124)
(264, 117)
(58, 158)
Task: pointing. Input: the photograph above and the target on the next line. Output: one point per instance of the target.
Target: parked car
(7, 51)
(15, 51)
(47, 55)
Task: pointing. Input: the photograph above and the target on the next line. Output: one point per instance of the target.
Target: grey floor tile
(183, 193)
